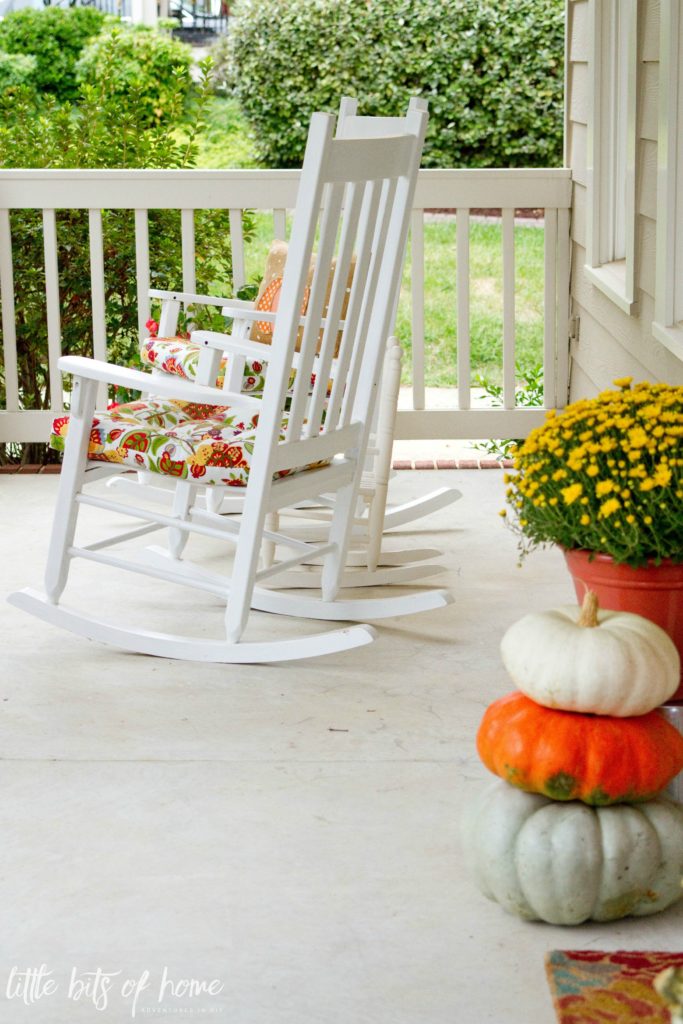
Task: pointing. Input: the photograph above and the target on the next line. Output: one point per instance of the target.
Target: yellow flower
(622, 382)
(637, 437)
(585, 519)
(604, 487)
(662, 475)
(571, 493)
(608, 507)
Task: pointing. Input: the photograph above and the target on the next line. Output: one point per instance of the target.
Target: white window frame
(668, 323)
(611, 174)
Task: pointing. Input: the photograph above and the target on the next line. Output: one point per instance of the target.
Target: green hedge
(492, 73)
(138, 65)
(55, 37)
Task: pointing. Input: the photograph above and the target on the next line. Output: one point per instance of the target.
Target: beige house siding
(611, 343)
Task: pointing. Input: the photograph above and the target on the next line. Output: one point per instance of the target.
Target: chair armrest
(166, 385)
(200, 300)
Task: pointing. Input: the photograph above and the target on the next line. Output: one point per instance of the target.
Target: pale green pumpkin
(566, 863)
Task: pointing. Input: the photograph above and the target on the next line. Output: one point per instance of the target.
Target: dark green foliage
(99, 132)
(492, 73)
(140, 65)
(55, 37)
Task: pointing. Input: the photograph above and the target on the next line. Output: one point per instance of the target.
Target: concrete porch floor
(291, 830)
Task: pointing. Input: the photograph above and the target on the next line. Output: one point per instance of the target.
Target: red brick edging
(397, 464)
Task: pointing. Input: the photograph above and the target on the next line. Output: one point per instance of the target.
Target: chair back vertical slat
(508, 244)
(188, 250)
(329, 222)
(239, 276)
(549, 307)
(358, 361)
(338, 292)
(54, 325)
(393, 235)
(417, 292)
(463, 300)
(280, 225)
(9, 326)
(370, 202)
(142, 270)
(97, 294)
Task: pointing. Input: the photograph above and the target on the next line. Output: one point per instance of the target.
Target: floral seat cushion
(207, 443)
(180, 357)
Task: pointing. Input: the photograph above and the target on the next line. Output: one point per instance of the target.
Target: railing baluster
(54, 325)
(417, 285)
(237, 246)
(508, 308)
(142, 269)
(549, 307)
(97, 299)
(9, 327)
(562, 348)
(280, 225)
(188, 250)
(463, 301)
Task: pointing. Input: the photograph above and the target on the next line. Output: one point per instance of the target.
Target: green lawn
(227, 145)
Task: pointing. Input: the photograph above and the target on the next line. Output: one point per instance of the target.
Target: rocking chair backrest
(357, 194)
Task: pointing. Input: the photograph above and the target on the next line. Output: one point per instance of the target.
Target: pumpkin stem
(589, 610)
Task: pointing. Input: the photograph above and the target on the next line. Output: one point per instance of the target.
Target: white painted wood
(417, 284)
(99, 327)
(54, 325)
(562, 298)
(280, 225)
(611, 144)
(188, 250)
(166, 645)
(463, 298)
(264, 189)
(549, 307)
(237, 250)
(142, 270)
(669, 254)
(508, 239)
(9, 333)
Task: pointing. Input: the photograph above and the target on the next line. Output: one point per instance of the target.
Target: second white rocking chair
(283, 449)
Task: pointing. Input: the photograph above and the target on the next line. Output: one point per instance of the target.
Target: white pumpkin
(600, 662)
(566, 863)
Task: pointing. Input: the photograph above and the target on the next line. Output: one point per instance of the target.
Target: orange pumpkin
(566, 755)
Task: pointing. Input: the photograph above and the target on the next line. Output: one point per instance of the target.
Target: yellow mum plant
(605, 475)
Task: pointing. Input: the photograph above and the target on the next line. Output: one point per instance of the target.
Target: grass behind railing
(486, 298)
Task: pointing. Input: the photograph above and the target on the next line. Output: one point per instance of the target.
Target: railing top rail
(265, 189)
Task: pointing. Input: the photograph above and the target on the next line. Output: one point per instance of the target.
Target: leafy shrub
(16, 69)
(99, 133)
(138, 63)
(492, 73)
(55, 37)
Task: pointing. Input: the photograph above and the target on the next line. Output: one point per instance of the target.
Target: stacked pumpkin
(578, 829)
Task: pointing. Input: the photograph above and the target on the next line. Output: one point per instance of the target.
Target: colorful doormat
(590, 987)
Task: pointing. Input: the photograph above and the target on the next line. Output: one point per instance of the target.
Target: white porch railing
(236, 191)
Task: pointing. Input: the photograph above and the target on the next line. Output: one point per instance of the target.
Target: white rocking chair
(302, 445)
(368, 562)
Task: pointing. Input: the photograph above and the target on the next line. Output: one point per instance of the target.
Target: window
(668, 325)
(611, 150)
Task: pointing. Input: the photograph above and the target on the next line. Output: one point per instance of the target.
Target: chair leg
(272, 524)
(182, 500)
(340, 533)
(243, 574)
(70, 482)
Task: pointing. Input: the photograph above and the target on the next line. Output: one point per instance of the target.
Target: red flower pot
(655, 591)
